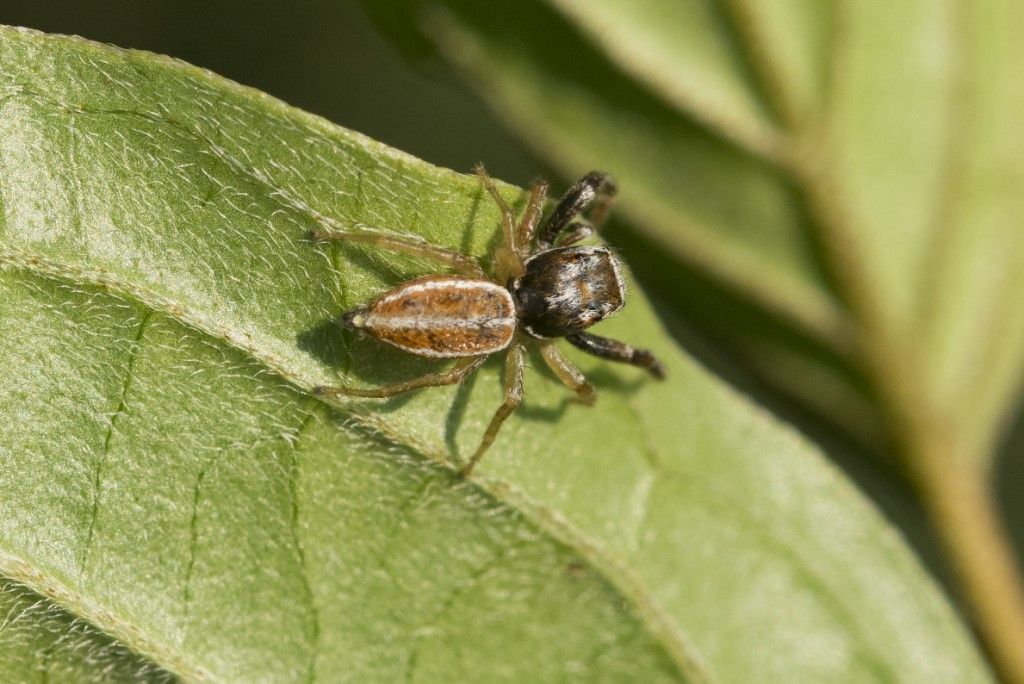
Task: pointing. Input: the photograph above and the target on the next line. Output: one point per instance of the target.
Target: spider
(544, 286)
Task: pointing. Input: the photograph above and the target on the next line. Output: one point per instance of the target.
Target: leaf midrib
(104, 619)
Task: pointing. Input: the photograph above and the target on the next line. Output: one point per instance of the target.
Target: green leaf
(170, 478)
(688, 52)
(926, 164)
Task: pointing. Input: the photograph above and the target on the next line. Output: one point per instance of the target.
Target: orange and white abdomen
(442, 316)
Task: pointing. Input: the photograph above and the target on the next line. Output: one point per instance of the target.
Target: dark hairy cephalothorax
(544, 286)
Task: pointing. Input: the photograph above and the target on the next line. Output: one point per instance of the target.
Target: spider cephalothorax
(544, 286)
(567, 289)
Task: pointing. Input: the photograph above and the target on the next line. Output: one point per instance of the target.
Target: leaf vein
(101, 462)
(295, 473)
(445, 608)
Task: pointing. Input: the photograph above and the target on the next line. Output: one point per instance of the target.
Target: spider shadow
(550, 412)
(609, 378)
(603, 378)
(529, 411)
(457, 411)
(337, 347)
(326, 342)
(365, 359)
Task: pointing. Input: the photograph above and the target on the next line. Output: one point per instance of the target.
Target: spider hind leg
(462, 368)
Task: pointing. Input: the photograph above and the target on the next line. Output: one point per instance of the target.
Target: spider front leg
(571, 376)
(594, 192)
(528, 224)
(576, 231)
(513, 397)
(452, 376)
(457, 261)
(508, 263)
(613, 350)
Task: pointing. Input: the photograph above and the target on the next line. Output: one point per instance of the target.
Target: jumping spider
(544, 286)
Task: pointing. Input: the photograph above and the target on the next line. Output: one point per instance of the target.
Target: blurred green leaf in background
(822, 199)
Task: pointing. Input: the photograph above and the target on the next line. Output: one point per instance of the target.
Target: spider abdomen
(442, 316)
(567, 289)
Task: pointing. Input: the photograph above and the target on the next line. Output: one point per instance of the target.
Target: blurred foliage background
(370, 67)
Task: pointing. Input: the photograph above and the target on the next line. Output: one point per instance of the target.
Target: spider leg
(513, 396)
(528, 224)
(507, 261)
(456, 373)
(459, 262)
(569, 374)
(575, 232)
(613, 350)
(594, 192)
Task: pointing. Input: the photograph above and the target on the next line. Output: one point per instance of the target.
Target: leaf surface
(171, 479)
(39, 641)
